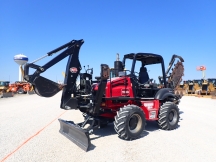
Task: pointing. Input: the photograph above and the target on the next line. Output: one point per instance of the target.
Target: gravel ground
(21, 117)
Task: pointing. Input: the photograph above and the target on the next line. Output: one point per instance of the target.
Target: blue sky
(183, 27)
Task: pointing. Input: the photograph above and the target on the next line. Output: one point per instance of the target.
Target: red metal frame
(118, 86)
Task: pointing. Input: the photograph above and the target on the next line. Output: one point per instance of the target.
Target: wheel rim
(20, 90)
(135, 123)
(172, 116)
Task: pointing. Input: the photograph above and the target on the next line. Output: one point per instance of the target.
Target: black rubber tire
(123, 120)
(167, 110)
(20, 91)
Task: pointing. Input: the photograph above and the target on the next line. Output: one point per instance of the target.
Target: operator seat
(143, 75)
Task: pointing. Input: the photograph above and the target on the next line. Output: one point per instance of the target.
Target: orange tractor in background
(21, 87)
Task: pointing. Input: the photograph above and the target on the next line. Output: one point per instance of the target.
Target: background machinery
(194, 86)
(212, 86)
(20, 87)
(204, 85)
(4, 86)
(127, 100)
(208, 87)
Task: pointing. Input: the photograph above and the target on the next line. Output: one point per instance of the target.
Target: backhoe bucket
(7, 94)
(76, 134)
(45, 87)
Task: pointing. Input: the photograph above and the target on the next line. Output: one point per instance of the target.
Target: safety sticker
(125, 92)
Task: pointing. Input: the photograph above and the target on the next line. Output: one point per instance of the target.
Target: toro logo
(125, 92)
(73, 70)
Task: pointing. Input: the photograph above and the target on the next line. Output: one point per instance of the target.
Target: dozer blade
(7, 94)
(76, 134)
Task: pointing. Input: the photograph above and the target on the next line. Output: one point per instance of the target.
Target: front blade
(74, 133)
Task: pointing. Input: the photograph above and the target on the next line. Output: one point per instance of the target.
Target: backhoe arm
(47, 88)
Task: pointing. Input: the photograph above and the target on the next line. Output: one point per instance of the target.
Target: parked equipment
(4, 86)
(208, 87)
(194, 86)
(204, 88)
(20, 87)
(127, 100)
(212, 86)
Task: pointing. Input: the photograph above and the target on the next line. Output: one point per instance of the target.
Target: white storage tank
(20, 59)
